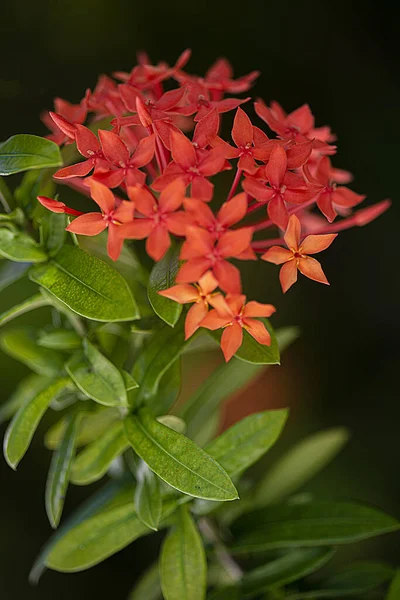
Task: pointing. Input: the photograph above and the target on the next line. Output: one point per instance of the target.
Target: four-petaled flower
(296, 256)
(233, 314)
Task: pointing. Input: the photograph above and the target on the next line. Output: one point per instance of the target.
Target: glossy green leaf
(310, 524)
(148, 586)
(177, 460)
(6, 196)
(354, 580)
(60, 467)
(97, 377)
(25, 422)
(162, 277)
(99, 537)
(92, 426)
(94, 461)
(31, 303)
(10, 272)
(292, 566)
(21, 344)
(60, 339)
(244, 443)
(253, 352)
(300, 464)
(129, 382)
(168, 390)
(88, 286)
(25, 392)
(148, 499)
(183, 567)
(20, 247)
(394, 591)
(23, 152)
(175, 423)
(53, 231)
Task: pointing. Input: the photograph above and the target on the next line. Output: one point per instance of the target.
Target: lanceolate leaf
(105, 369)
(61, 339)
(20, 247)
(394, 591)
(94, 461)
(53, 231)
(92, 426)
(148, 586)
(148, 499)
(58, 478)
(21, 344)
(299, 465)
(10, 272)
(162, 277)
(279, 572)
(168, 390)
(27, 305)
(243, 444)
(24, 424)
(98, 537)
(183, 565)
(25, 392)
(177, 460)
(87, 286)
(311, 524)
(23, 152)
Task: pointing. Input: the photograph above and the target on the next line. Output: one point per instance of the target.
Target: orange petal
(114, 149)
(193, 270)
(137, 230)
(144, 152)
(316, 243)
(231, 340)
(222, 307)
(228, 276)
(158, 242)
(258, 331)
(234, 210)
(200, 212)
(114, 242)
(288, 275)
(256, 309)
(277, 212)
(102, 196)
(182, 150)
(194, 317)
(242, 131)
(178, 222)
(214, 321)
(276, 167)
(312, 269)
(124, 212)
(181, 293)
(89, 224)
(172, 196)
(232, 243)
(293, 232)
(143, 200)
(199, 242)
(208, 283)
(235, 302)
(277, 255)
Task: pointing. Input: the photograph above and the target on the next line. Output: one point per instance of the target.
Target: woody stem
(234, 184)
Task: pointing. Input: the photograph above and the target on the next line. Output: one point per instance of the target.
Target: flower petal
(89, 224)
(79, 170)
(114, 242)
(214, 321)
(258, 331)
(316, 243)
(208, 283)
(228, 277)
(202, 189)
(57, 207)
(288, 275)
(114, 148)
(181, 293)
(182, 150)
(158, 242)
(277, 212)
(242, 131)
(137, 230)
(312, 269)
(231, 340)
(276, 167)
(172, 196)
(143, 200)
(144, 152)
(233, 243)
(102, 196)
(277, 255)
(194, 317)
(293, 232)
(193, 269)
(86, 141)
(199, 242)
(256, 309)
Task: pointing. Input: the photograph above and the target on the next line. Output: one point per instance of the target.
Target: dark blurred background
(343, 59)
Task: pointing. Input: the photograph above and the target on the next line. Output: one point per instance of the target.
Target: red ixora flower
(200, 293)
(296, 257)
(88, 146)
(233, 315)
(159, 217)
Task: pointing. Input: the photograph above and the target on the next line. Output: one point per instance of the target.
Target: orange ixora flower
(296, 257)
(200, 293)
(233, 315)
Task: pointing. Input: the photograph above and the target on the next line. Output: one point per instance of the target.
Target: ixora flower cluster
(159, 159)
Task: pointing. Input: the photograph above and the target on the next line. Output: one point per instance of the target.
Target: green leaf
(25, 422)
(177, 460)
(292, 566)
(60, 467)
(175, 423)
(356, 579)
(31, 303)
(253, 352)
(23, 152)
(183, 566)
(97, 377)
(99, 537)
(21, 345)
(394, 591)
(148, 499)
(162, 277)
(25, 392)
(95, 460)
(87, 286)
(61, 339)
(92, 426)
(300, 464)
(148, 586)
(20, 247)
(168, 390)
(10, 272)
(245, 442)
(53, 231)
(311, 524)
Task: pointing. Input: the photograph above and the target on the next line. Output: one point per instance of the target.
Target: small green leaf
(299, 465)
(148, 587)
(130, 383)
(92, 426)
(99, 537)
(177, 460)
(173, 422)
(311, 524)
(31, 303)
(279, 572)
(10, 272)
(23, 152)
(20, 247)
(58, 477)
(245, 442)
(87, 286)
(53, 231)
(354, 580)
(21, 345)
(168, 390)
(394, 591)
(97, 377)
(95, 460)
(25, 422)
(61, 339)
(162, 277)
(183, 566)
(25, 392)
(148, 499)
(253, 352)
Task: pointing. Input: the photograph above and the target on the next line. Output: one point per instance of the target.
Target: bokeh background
(343, 59)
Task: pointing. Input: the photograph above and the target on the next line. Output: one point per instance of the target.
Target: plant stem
(235, 184)
(224, 558)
